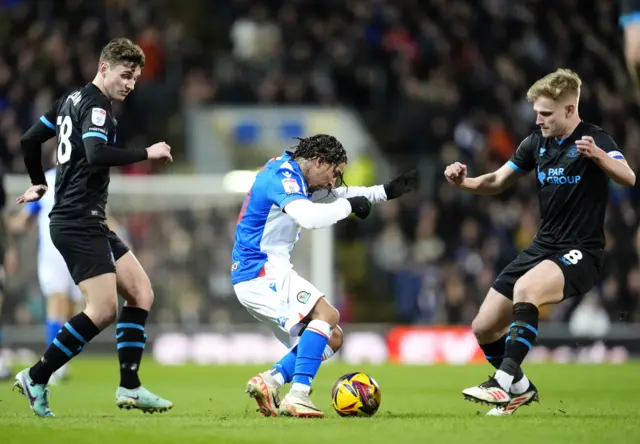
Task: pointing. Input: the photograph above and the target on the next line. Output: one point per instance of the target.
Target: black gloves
(360, 206)
(405, 182)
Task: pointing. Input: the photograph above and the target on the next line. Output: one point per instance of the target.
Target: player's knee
(102, 312)
(326, 312)
(336, 339)
(525, 291)
(140, 293)
(145, 296)
(484, 331)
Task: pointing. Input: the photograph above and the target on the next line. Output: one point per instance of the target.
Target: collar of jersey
(95, 87)
(288, 157)
(576, 133)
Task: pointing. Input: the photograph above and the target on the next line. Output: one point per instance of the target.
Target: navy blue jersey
(573, 191)
(81, 189)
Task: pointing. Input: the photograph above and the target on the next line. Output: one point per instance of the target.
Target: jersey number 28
(64, 144)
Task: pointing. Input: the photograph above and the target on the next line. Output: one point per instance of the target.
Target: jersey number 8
(64, 144)
(573, 256)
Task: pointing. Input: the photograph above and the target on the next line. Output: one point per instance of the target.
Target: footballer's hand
(159, 151)
(34, 193)
(587, 147)
(404, 183)
(360, 206)
(456, 173)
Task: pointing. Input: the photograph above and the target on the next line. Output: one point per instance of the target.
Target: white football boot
(489, 392)
(517, 401)
(299, 405)
(266, 391)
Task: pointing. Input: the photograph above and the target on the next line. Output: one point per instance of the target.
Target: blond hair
(556, 86)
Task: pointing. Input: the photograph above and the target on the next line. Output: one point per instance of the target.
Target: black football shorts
(89, 250)
(581, 269)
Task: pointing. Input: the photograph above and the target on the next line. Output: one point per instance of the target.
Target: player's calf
(490, 326)
(335, 343)
(265, 387)
(310, 351)
(57, 314)
(135, 287)
(312, 344)
(283, 371)
(133, 283)
(543, 284)
(101, 298)
(100, 293)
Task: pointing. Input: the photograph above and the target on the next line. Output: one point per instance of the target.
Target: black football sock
(520, 339)
(523, 331)
(68, 343)
(131, 342)
(494, 353)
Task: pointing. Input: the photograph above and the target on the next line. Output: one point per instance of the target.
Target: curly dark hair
(322, 147)
(326, 149)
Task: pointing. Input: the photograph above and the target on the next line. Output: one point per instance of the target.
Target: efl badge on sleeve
(616, 154)
(290, 186)
(98, 116)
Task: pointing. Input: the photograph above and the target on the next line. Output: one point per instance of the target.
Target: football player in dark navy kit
(573, 162)
(99, 262)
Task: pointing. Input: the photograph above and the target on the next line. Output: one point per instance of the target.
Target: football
(356, 394)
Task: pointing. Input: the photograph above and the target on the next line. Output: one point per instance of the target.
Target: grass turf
(579, 403)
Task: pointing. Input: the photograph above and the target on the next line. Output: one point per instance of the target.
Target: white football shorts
(280, 300)
(54, 276)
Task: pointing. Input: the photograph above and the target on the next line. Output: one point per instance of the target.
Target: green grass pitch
(420, 404)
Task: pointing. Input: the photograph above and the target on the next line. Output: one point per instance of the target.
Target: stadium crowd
(436, 81)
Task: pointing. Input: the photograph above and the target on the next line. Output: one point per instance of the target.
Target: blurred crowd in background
(435, 81)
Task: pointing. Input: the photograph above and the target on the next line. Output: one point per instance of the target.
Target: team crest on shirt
(98, 116)
(303, 297)
(573, 151)
(290, 186)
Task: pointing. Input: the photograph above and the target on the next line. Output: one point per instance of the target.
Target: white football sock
(279, 378)
(328, 352)
(504, 379)
(301, 388)
(521, 386)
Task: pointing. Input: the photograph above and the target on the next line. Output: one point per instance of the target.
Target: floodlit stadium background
(228, 84)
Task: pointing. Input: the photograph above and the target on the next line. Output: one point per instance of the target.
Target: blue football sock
(53, 327)
(286, 366)
(310, 349)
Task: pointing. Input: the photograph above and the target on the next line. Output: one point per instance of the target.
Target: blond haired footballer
(573, 161)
